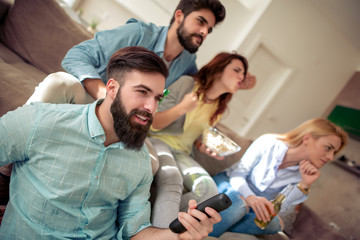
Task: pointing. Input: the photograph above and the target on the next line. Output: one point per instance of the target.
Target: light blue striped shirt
(65, 183)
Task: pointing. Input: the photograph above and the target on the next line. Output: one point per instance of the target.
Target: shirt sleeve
(134, 212)
(293, 198)
(238, 173)
(15, 130)
(90, 58)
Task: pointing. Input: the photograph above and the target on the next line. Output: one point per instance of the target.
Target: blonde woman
(270, 164)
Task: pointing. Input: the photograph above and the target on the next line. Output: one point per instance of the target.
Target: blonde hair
(317, 127)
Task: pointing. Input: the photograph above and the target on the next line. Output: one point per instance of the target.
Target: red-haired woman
(193, 104)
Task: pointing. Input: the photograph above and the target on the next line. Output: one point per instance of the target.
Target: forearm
(239, 184)
(165, 118)
(152, 233)
(95, 88)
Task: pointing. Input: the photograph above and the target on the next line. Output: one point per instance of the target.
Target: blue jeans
(237, 218)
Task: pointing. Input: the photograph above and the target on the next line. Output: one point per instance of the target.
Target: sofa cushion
(213, 166)
(17, 83)
(4, 7)
(41, 33)
(8, 56)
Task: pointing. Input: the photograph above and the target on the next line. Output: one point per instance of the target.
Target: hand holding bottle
(276, 207)
(262, 207)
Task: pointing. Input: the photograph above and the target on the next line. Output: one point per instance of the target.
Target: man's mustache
(198, 35)
(143, 113)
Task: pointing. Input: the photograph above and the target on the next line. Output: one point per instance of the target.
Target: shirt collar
(95, 129)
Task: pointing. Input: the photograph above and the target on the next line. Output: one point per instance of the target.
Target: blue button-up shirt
(65, 183)
(90, 58)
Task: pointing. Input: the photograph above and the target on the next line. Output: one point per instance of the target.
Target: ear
(179, 16)
(112, 87)
(306, 138)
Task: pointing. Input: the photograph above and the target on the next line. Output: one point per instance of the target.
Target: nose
(242, 76)
(151, 105)
(330, 156)
(204, 31)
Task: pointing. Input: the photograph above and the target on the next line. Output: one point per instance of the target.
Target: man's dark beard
(186, 39)
(130, 133)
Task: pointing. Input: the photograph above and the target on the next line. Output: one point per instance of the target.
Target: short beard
(130, 133)
(185, 39)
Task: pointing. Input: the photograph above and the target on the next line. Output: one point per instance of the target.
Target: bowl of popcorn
(219, 142)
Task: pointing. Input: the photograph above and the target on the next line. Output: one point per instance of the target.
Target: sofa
(34, 37)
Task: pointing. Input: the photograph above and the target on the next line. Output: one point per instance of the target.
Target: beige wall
(110, 12)
(320, 61)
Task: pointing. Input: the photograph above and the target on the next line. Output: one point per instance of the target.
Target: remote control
(218, 202)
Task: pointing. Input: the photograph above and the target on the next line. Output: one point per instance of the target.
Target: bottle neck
(280, 198)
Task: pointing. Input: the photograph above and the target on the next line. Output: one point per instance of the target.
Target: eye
(328, 148)
(143, 92)
(210, 30)
(201, 21)
(158, 99)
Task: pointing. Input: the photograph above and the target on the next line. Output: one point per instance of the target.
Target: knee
(205, 187)
(61, 80)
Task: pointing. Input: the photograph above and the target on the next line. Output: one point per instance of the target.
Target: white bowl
(219, 142)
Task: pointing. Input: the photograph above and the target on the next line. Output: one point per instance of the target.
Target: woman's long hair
(317, 127)
(213, 70)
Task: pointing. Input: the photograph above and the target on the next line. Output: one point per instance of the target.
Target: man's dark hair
(189, 6)
(134, 58)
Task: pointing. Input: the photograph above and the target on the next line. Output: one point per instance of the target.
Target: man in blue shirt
(175, 44)
(82, 171)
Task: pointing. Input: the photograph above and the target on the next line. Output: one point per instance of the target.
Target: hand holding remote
(218, 202)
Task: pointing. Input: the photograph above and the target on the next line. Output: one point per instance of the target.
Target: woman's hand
(309, 173)
(249, 82)
(261, 206)
(189, 102)
(202, 148)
